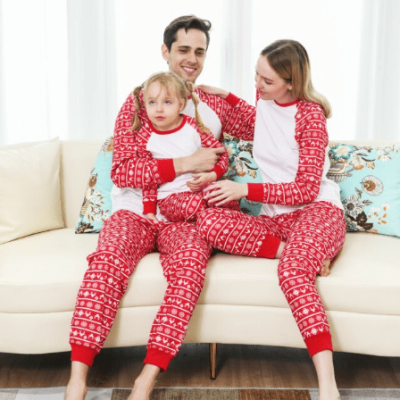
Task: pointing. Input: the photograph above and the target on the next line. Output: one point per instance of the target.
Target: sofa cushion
(242, 168)
(29, 189)
(364, 279)
(96, 206)
(369, 183)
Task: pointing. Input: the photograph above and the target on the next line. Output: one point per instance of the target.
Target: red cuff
(318, 343)
(166, 170)
(149, 207)
(232, 99)
(256, 192)
(83, 354)
(269, 247)
(219, 171)
(158, 358)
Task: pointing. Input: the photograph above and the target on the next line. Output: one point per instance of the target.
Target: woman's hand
(201, 179)
(223, 191)
(214, 90)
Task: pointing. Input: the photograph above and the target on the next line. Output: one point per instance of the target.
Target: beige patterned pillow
(30, 199)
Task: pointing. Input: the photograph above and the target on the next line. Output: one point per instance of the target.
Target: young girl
(300, 205)
(168, 133)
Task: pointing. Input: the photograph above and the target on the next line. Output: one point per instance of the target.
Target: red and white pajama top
(291, 149)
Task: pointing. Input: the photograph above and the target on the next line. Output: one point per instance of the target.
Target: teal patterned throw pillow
(369, 180)
(242, 169)
(96, 206)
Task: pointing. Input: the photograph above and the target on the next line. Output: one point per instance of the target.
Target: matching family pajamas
(127, 236)
(301, 207)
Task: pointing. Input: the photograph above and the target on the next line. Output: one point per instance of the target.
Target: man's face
(187, 54)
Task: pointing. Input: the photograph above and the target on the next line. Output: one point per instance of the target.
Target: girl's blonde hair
(290, 61)
(173, 84)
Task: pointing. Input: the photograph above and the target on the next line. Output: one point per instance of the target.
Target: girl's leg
(317, 235)
(184, 255)
(124, 239)
(238, 233)
(185, 206)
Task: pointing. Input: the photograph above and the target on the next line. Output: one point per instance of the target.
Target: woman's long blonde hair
(172, 83)
(290, 61)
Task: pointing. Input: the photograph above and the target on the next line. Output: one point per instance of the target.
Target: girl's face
(162, 108)
(270, 85)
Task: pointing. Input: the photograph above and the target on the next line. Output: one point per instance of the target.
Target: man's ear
(164, 52)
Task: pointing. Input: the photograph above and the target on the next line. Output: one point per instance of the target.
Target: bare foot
(144, 383)
(76, 390)
(325, 271)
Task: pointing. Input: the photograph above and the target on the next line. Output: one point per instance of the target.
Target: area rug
(202, 394)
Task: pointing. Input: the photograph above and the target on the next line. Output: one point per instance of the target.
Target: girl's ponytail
(196, 100)
(136, 125)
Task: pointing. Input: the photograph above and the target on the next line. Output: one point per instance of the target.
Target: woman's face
(270, 85)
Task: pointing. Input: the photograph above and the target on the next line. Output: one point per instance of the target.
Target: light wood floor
(237, 366)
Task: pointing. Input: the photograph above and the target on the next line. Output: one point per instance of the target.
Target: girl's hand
(201, 179)
(152, 217)
(223, 191)
(214, 90)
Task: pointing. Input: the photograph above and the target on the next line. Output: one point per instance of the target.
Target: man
(126, 237)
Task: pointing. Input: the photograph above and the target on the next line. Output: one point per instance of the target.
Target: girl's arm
(236, 115)
(132, 165)
(150, 200)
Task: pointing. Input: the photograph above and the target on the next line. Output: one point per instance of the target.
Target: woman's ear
(165, 52)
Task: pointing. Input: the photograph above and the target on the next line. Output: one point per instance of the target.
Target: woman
(300, 205)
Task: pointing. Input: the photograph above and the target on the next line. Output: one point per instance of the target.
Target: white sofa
(241, 301)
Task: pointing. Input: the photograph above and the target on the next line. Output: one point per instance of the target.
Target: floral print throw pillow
(96, 206)
(242, 168)
(369, 180)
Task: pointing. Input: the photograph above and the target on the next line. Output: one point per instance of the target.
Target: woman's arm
(312, 139)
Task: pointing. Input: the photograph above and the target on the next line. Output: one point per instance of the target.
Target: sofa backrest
(77, 159)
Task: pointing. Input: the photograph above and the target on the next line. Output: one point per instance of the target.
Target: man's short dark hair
(186, 22)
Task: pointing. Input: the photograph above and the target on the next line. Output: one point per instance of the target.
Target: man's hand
(214, 90)
(152, 217)
(202, 160)
(201, 179)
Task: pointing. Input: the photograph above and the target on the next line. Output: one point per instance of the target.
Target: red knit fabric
(123, 241)
(312, 234)
(158, 358)
(187, 206)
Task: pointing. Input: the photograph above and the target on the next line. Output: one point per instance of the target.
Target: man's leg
(124, 239)
(184, 255)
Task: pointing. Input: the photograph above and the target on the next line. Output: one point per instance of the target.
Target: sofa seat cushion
(42, 273)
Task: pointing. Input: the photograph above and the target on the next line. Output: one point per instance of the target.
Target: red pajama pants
(124, 239)
(187, 206)
(312, 234)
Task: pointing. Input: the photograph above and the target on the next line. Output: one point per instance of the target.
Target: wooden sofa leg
(213, 360)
